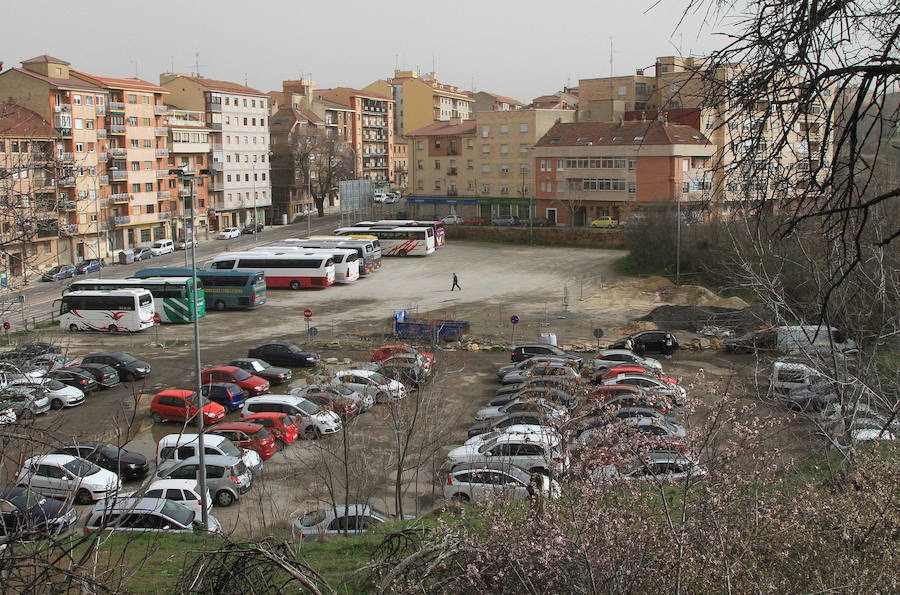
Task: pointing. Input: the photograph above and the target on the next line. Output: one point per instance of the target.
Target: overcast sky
(521, 48)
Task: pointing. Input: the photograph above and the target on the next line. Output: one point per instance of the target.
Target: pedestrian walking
(629, 344)
(668, 347)
(455, 283)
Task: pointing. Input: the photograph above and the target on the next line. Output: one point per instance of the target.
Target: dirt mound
(694, 318)
(634, 327)
(696, 295)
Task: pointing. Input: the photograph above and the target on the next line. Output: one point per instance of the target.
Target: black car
(27, 514)
(127, 465)
(128, 367)
(77, 377)
(261, 368)
(523, 352)
(105, 376)
(284, 354)
(251, 228)
(505, 221)
(647, 341)
(522, 417)
(63, 271)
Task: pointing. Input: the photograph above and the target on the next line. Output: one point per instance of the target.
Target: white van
(312, 420)
(177, 447)
(160, 247)
(812, 338)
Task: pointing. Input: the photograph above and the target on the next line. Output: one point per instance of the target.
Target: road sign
(514, 319)
(312, 331)
(6, 325)
(157, 318)
(307, 313)
(21, 299)
(598, 333)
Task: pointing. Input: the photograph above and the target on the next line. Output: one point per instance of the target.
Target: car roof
(488, 466)
(244, 426)
(175, 392)
(266, 414)
(53, 459)
(95, 366)
(287, 343)
(529, 437)
(226, 384)
(130, 504)
(353, 509)
(222, 460)
(221, 369)
(275, 397)
(174, 483)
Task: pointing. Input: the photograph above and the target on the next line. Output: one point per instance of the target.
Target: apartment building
(401, 163)
(441, 158)
(294, 133)
(33, 221)
(372, 134)
(492, 102)
(77, 110)
(137, 153)
(419, 100)
(190, 146)
(237, 116)
(587, 170)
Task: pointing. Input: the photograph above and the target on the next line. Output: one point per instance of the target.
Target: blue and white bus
(222, 289)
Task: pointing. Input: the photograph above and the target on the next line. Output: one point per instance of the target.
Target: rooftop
(19, 122)
(625, 133)
(445, 129)
(68, 83)
(226, 86)
(133, 84)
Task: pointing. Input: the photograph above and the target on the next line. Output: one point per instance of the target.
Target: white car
(452, 220)
(8, 416)
(342, 391)
(160, 247)
(610, 358)
(371, 383)
(67, 477)
(183, 491)
(664, 466)
(51, 361)
(536, 453)
(312, 420)
(513, 429)
(476, 481)
(650, 383)
(229, 233)
(185, 244)
(540, 407)
(62, 395)
(338, 520)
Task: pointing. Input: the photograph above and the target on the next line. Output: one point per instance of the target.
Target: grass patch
(629, 266)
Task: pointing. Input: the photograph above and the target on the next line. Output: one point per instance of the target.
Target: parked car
(667, 467)
(60, 395)
(252, 385)
(281, 353)
(476, 221)
(175, 404)
(59, 272)
(607, 358)
(281, 425)
(247, 435)
(313, 421)
(251, 228)
(752, 342)
(11, 374)
(452, 220)
(128, 367)
(50, 361)
(386, 351)
(105, 376)
(371, 383)
(338, 391)
(177, 447)
(77, 377)
(338, 520)
(142, 253)
(607, 431)
(227, 478)
(634, 369)
(181, 491)
(528, 351)
(408, 368)
(538, 222)
(469, 482)
(540, 392)
(27, 514)
(522, 429)
(146, 515)
(648, 341)
(510, 419)
(89, 265)
(563, 383)
(29, 350)
(558, 369)
(505, 221)
(67, 477)
(185, 244)
(345, 408)
(526, 363)
(651, 383)
(126, 464)
(229, 233)
(547, 411)
(605, 221)
(263, 369)
(536, 453)
(25, 401)
(160, 247)
(638, 398)
(228, 395)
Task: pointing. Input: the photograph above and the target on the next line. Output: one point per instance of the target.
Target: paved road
(40, 295)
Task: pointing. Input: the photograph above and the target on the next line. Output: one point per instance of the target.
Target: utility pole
(678, 241)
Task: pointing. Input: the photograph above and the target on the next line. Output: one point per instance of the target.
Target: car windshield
(489, 444)
(341, 389)
(307, 407)
(125, 358)
(56, 269)
(378, 378)
(54, 385)
(81, 468)
(197, 400)
(230, 449)
(260, 434)
(110, 451)
(312, 519)
(26, 499)
(241, 374)
(178, 513)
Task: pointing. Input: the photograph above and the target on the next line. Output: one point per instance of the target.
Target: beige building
(401, 163)
(485, 102)
(419, 100)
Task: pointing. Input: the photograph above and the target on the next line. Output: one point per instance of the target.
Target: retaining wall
(546, 236)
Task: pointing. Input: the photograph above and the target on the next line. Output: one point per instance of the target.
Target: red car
(175, 404)
(281, 425)
(476, 221)
(248, 435)
(634, 369)
(386, 351)
(254, 385)
(345, 408)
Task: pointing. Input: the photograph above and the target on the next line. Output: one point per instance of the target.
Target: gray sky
(521, 48)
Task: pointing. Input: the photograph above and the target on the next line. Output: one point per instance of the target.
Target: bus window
(145, 300)
(223, 264)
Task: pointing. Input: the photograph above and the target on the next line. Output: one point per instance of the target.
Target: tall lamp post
(200, 421)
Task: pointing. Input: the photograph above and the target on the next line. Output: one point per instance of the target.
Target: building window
(135, 166)
(523, 127)
(132, 98)
(504, 149)
(486, 168)
(632, 187)
(134, 143)
(485, 148)
(437, 143)
(420, 145)
(470, 164)
(485, 131)
(486, 188)
(135, 187)
(420, 164)
(148, 187)
(79, 124)
(471, 185)
(504, 188)
(470, 143)
(79, 147)
(437, 164)
(504, 128)
(437, 184)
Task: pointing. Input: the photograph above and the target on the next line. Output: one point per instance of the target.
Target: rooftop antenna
(396, 62)
(196, 63)
(171, 63)
(245, 80)
(135, 68)
(432, 62)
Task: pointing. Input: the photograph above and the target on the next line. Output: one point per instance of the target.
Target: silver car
(553, 369)
(469, 482)
(338, 520)
(526, 364)
(227, 478)
(25, 401)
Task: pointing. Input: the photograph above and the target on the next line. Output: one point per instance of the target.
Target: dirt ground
(565, 291)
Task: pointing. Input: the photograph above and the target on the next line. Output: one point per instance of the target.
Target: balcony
(68, 229)
(165, 215)
(162, 152)
(117, 128)
(116, 106)
(61, 108)
(104, 179)
(214, 107)
(118, 175)
(452, 171)
(215, 125)
(101, 110)
(163, 194)
(67, 181)
(120, 198)
(162, 173)
(47, 229)
(67, 205)
(121, 220)
(189, 148)
(216, 146)
(64, 132)
(66, 157)
(184, 193)
(161, 130)
(101, 133)
(117, 152)
(160, 109)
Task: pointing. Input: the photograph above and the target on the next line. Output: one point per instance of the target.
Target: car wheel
(112, 328)
(73, 327)
(157, 418)
(224, 498)
(56, 404)
(295, 285)
(402, 253)
(312, 433)
(460, 497)
(220, 305)
(83, 497)
(380, 398)
(279, 444)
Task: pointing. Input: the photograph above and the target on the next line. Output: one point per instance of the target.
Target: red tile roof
(355, 92)
(69, 83)
(135, 84)
(20, 122)
(627, 133)
(226, 86)
(445, 129)
(44, 58)
(504, 98)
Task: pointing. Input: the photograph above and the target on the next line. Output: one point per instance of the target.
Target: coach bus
(437, 226)
(130, 310)
(346, 261)
(396, 241)
(368, 251)
(286, 268)
(172, 296)
(222, 289)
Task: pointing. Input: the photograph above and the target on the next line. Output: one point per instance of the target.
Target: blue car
(26, 514)
(63, 271)
(228, 395)
(90, 265)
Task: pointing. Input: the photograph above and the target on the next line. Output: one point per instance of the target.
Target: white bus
(368, 249)
(437, 226)
(346, 261)
(128, 310)
(396, 241)
(284, 268)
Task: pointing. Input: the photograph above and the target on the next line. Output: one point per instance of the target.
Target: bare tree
(321, 162)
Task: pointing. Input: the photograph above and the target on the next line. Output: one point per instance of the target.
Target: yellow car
(606, 222)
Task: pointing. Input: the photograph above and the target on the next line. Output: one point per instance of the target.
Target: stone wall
(547, 236)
